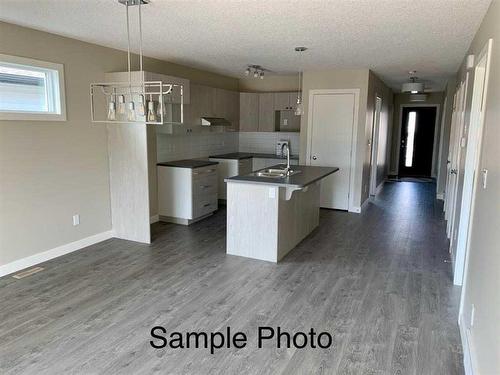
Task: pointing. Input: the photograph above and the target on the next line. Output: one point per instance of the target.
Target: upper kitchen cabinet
(249, 112)
(227, 105)
(266, 112)
(202, 104)
(285, 101)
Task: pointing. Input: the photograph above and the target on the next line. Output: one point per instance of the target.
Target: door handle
(314, 157)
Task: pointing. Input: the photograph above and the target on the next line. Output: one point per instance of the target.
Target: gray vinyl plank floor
(379, 282)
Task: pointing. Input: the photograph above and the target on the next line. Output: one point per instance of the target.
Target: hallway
(379, 282)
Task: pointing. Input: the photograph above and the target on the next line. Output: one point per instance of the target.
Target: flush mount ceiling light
(299, 109)
(256, 71)
(137, 101)
(413, 86)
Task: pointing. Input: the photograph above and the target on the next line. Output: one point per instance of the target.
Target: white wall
(482, 286)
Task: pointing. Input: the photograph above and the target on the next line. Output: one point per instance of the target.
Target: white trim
(470, 364)
(440, 196)
(469, 190)
(32, 260)
(379, 188)
(374, 144)
(356, 92)
(436, 125)
(154, 219)
(60, 114)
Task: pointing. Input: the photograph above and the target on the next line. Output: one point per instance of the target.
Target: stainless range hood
(214, 121)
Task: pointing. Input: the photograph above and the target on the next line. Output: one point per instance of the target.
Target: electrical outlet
(472, 313)
(76, 220)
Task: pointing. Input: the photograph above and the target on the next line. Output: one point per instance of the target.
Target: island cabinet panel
(266, 222)
(266, 112)
(252, 221)
(249, 112)
(186, 195)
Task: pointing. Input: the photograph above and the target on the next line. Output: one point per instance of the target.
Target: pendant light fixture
(299, 109)
(125, 102)
(413, 87)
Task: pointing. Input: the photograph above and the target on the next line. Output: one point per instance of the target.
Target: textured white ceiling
(388, 36)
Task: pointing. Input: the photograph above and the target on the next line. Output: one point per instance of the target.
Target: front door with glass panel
(417, 141)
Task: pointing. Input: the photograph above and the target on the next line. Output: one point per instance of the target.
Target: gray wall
(378, 88)
(52, 170)
(482, 277)
(340, 79)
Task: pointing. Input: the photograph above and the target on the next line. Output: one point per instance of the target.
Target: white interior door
(474, 139)
(331, 125)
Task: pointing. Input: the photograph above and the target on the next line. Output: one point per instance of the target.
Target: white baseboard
(379, 187)
(358, 209)
(467, 348)
(30, 261)
(440, 196)
(154, 219)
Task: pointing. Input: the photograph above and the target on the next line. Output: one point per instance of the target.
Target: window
(410, 138)
(31, 90)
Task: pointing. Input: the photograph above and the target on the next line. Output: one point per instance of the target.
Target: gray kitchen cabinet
(227, 103)
(202, 103)
(266, 112)
(249, 112)
(285, 101)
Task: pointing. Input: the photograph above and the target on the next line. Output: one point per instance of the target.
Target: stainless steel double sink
(275, 173)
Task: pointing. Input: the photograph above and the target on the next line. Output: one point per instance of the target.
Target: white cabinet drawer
(205, 185)
(204, 204)
(210, 170)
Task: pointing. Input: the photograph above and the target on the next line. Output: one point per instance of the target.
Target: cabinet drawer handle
(206, 186)
(206, 205)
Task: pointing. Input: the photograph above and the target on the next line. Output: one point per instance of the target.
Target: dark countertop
(188, 163)
(307, 175)
(248, 155)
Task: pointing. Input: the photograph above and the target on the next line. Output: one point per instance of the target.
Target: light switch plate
(76, 220)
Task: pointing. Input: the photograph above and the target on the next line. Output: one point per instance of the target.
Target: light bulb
(299, 109)
(121, 104)
(141, 106)
(131, 111)
(159, 108)
(151, 111)
(247, 72)
(261, 75)
(255, 74)
(111, 111)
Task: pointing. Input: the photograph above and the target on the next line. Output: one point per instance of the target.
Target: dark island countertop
(308, 175)
(188, 163)
(248, 155)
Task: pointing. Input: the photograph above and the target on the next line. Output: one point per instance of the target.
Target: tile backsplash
(199, 145)
(194, 145)
(265, 142)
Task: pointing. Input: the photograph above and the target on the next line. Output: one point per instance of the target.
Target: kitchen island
(267, 216)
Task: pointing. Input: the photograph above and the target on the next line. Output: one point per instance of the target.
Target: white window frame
(59, 113)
